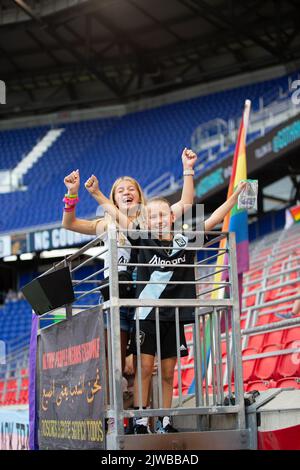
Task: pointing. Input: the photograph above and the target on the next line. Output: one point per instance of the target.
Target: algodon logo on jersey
(158, 260)
(180, 241)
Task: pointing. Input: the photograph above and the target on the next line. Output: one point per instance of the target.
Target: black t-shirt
(162, 258)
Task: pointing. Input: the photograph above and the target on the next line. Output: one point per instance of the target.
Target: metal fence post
(115, 332)
(236, 333)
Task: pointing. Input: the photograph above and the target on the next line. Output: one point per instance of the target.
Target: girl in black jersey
(125, 203)
(162, 266)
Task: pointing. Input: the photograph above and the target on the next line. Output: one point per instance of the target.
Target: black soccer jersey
(163, 261)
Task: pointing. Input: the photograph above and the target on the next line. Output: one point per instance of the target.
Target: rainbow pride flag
(235, 221)
(295, 211)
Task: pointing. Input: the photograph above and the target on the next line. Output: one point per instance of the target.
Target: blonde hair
(159, 199)
(134, 183)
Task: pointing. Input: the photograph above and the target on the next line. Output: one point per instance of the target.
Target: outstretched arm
(92, 185)
(219, 214)
(70, 221)
(189, 159)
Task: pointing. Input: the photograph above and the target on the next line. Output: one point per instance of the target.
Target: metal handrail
(272, 287)
(271, 276)
(203, 316)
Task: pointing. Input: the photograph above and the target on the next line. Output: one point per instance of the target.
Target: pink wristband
(71, 201)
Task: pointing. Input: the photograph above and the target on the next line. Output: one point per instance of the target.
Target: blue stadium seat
(144, 144)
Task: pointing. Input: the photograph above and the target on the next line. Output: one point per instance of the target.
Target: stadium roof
(72, 54)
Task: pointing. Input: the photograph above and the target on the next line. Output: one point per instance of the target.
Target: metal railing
(217, 135)
(208, 316)
(282, 254)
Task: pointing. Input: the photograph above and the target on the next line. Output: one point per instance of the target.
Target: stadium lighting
(10, 258)
(26, 256)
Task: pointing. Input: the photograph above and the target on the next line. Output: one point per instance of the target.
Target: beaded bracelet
(71, 196)
(71, 201)
(188, 172)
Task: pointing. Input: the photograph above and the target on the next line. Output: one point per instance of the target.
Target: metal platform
(206, 440)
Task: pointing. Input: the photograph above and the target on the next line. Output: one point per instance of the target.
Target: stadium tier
(15, 320)
(144, 144)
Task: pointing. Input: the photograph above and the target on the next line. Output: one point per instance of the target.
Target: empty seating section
(143, 144)
(14, 379)
(275, 274)
(15, 327)
(15, 320)
(15, 144)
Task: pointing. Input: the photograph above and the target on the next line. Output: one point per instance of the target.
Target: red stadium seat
(264, 319)
(10, 398)
(249, 366)
(1, 391)
(223, 347)
(23, 398)
(250, 301)
(289, 364)
(256, 341)
(11, 384)
(210, 390)
(266, 368)
(226, 388)
(260, 385)
(274, 337)
(25, 382)
(289, 382)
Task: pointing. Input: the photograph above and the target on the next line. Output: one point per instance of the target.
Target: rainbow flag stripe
(295, 211)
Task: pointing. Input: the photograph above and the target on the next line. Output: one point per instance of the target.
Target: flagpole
(247, 109)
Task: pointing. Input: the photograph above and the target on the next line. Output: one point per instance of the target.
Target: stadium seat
(10, 398)
(274, 337)
(248, 366)
(289, 364)
(226, 388)
(25, 383)
(23, 398)
(1, 391)
(266, 368)
(256, 341)
(260, 385)
(11, 384)
(264, 319)
(288, 382)
(292, 334)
